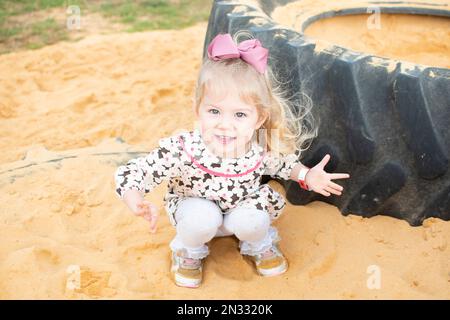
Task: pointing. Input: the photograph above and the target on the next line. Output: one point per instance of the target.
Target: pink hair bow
(223, 47)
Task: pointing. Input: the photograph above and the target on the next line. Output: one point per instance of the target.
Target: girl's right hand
(149, 212)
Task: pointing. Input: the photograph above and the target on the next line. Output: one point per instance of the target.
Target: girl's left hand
(320, 181)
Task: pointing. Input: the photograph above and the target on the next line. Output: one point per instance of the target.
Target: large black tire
(388, 127)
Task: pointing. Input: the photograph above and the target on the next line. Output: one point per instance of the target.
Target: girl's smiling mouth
(224, 139)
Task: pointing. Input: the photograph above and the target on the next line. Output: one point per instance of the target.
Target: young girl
(244, 130)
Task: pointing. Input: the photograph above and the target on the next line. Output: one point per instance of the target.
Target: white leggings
(199, 220)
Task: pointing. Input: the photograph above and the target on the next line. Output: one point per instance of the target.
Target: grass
(31, 35)
(143, 15)
(44, 33)
(20, 28)
(26, 24)
(17, 7)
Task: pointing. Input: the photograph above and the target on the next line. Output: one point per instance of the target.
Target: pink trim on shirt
(219, 173)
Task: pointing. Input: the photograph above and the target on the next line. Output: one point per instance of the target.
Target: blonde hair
(283, 131)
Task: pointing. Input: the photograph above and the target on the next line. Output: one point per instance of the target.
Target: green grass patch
(32, 35)
(6, 33)
(48, 32)
(143, 15)
(21, 29)
(17, 7)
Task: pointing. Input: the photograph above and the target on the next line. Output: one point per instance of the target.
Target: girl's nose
(225, 123)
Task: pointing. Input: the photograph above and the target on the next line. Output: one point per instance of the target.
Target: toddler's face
(227, 125)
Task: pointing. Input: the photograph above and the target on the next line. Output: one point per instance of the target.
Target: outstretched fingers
(332, 190)
(335, 186)
(339, 175)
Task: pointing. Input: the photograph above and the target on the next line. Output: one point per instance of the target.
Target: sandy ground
(64, 234)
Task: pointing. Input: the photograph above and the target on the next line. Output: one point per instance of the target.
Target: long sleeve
(145, 173)
(280, 166)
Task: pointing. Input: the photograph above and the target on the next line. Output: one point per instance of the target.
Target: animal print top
(192, 170)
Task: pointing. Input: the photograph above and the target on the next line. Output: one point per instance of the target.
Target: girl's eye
(244, 115)
(213, 110)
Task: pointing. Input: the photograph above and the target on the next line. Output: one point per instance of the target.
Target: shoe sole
(184, 282)
(274, 271)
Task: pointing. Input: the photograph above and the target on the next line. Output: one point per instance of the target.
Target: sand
(64, 234)
(413, 38)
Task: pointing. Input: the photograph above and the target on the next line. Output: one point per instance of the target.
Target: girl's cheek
(210, 117)
(246, 124)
